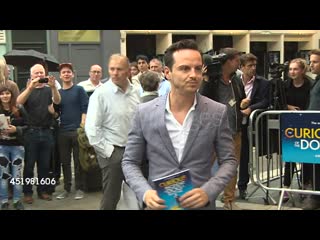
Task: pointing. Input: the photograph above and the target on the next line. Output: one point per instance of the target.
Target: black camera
(214, 68)
(43, 80)
(278, 99)
(276, 69)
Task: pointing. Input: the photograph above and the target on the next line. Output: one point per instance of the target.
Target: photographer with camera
(37, 99)
(224, 86)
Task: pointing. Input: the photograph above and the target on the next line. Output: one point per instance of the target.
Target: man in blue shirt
(164, 86)
(73, 110)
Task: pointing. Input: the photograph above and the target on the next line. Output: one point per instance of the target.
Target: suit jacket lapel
(161, 109)
(195, 127)
(254, 88)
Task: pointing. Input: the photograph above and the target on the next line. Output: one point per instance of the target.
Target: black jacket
(260, 98)
(210, 89)
(307, 86)
(314, 103)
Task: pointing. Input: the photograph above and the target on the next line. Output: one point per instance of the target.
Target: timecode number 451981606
(32, 181)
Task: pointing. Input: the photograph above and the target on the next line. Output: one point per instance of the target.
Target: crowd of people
(149, 119)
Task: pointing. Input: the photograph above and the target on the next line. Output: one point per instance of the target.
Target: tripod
(277, 94)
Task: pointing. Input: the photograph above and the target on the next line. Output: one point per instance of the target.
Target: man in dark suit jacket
(313, 201)
(183, 132)
(257, 97)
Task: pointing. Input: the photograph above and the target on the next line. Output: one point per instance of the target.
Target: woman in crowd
(297, 89)
(11, 144)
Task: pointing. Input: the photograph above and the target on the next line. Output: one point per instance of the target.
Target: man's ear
(167, 73)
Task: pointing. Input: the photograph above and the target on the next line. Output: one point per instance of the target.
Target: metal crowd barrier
(266, 166)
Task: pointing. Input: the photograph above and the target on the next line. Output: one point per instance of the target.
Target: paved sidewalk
(256, 206)
(91, 201)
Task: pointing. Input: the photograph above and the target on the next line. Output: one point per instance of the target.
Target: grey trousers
(112, 177)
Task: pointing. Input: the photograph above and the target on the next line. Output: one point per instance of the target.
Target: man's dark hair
(249, 57)
(134, 64)
(142, 57)
(315, 52)
(183, 44)
(230, 52)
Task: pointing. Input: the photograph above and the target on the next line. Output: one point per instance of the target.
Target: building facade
(84, 48)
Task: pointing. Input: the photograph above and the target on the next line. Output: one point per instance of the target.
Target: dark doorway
(290, 50)
(222, 42)
(259, 49)
(141, 44)
(82, 56)
(23, 40)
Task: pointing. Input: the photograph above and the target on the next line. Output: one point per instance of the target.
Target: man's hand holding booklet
(171, 188)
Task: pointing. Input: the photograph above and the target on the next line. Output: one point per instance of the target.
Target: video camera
(214, 68)
(276, 69)
(278, 99)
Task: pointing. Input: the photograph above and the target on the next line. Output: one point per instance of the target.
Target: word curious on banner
(300, 137)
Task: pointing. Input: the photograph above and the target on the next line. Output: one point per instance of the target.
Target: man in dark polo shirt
(37, 100)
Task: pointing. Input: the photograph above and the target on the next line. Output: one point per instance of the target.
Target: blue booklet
(173, 186)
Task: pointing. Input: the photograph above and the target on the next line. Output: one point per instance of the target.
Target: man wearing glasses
(92, 179)
(94, 80)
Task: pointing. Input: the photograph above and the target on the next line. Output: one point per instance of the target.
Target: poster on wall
(273, 57)
(300, 137)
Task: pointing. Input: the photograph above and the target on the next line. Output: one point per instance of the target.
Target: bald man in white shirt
(109, 116)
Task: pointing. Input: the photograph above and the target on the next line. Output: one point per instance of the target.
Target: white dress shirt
(177, 132)
(109, 117)
(88, 85)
